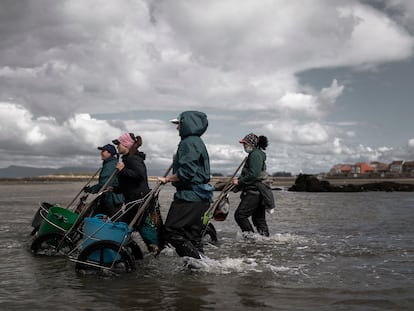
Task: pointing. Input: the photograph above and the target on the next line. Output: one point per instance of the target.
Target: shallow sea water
(327, 251)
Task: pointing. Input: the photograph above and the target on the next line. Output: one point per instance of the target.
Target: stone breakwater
(310, 183)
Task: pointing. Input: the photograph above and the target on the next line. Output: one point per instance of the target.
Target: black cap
(108, 147)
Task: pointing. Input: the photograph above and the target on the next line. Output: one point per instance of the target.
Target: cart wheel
(51, 244)
(210, 234)
(134, 249)
(105, 254)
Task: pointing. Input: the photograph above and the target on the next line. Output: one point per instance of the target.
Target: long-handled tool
(101, 190)
(86, 208)
(208, 215)
(148, 199)
(82, 189)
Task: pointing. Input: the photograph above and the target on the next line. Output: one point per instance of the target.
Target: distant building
(361, 168)
(380, 168)
(396, 167)
(340, 169)
(408, 168)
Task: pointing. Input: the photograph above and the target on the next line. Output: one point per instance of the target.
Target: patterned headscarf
(250, 139)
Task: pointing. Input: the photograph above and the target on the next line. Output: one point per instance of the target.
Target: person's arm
(105, 174)
(254, 168)
(133, 168)
(167, 179)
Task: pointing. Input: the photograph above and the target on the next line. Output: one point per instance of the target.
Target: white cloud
(35, 136)
(299, 103)
(238, 59)
(292, 146)
(233, 53)
(329, 95)
(374, 38)
(301, 134)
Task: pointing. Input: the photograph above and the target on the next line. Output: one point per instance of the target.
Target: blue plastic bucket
(99, 228)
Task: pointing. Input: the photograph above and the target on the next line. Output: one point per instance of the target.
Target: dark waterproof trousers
(251, 205)
(183, 227)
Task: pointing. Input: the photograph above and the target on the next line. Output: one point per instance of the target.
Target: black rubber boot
(185, 248)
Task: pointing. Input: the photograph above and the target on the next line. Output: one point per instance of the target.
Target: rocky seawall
(310, 183)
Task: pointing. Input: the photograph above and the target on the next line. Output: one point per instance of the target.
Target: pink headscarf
(126, 140)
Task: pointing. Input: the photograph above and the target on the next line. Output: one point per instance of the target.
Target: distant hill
(14, 171)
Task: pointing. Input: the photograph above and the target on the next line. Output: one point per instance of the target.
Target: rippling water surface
(327, 251)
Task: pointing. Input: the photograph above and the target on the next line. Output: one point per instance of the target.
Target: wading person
(110, 202)
(191, 174)
(251, 204)
(133, 184)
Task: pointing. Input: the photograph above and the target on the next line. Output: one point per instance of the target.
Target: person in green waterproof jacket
(251, 203)
(191, 176)
(111, 202)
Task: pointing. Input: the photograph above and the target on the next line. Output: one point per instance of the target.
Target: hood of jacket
(192, 123)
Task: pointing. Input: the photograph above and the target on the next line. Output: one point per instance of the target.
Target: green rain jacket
(253, 168)
(191, 162)
(251, 177)
(108, 168)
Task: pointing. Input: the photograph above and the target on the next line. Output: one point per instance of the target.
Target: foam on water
(258, 253)
(239, 266)
(278, 238)
(222, 266)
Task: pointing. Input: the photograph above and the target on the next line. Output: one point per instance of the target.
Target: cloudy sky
(327, 81)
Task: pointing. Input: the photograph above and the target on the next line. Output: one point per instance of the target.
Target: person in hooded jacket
(110, 202)
(133, 184)
(251, 204)
(191, 176)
